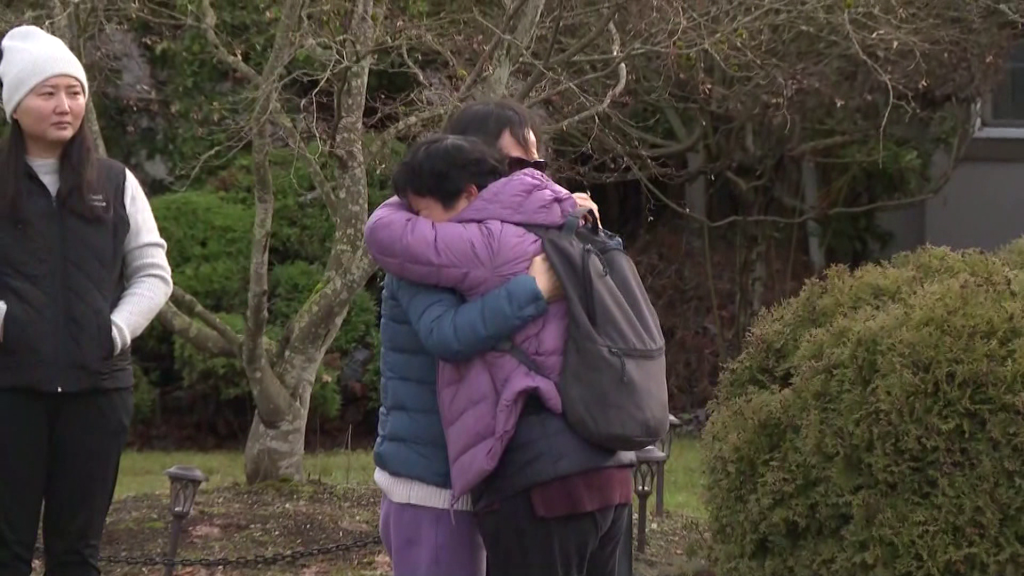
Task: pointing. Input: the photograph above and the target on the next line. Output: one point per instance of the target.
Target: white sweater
(146, 269)
(408, 491)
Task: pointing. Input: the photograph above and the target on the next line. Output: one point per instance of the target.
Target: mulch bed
(240, 521)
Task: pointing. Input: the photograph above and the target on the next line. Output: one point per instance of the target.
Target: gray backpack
(613, 385)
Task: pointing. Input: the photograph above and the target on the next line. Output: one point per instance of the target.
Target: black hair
(77, 173)
(442, 166)
(489, 119)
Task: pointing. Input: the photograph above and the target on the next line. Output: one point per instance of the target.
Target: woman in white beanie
(83, 270)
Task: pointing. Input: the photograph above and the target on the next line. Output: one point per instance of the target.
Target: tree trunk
(273, 454)
(496, 84)
(66, 26)
(751, 273)
(809, 192)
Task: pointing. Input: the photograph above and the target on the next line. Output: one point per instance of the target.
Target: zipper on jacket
(56, 280)
(60, 286)
(62, 306)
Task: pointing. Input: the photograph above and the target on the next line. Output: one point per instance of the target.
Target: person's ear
(470, 193)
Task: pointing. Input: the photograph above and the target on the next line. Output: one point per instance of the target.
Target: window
(1004, 108)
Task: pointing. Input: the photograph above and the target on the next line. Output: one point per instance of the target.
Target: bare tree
(788, 108)
(281, 373)
(67, 18)
(756, 91)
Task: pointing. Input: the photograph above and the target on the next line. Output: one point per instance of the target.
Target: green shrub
(1013, 254)
(208, 243)
(224, 378)
(880, 436)
(291, 283)
(208, 231)
(145, 396)
(768, 352)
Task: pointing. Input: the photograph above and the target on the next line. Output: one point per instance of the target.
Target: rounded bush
(1013, 254)
(766, 361)
(874, 426)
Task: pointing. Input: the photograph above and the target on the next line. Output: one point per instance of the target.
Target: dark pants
(518, 543)
(64, 449)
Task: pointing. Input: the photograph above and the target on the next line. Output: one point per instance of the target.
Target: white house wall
(982, 205)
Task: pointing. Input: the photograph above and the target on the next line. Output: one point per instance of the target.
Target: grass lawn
(142, 472)
(684, 478)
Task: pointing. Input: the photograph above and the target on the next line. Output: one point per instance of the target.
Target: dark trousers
(626, 546)
(518, 543)
(63, 449)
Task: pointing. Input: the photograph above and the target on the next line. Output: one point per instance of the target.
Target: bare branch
(958, 148)
(579, 47)
(191, 307)
(402, 126)
(538, 74)
(883, 76)
(320, 318)
(66, 26)
(253, 351)
(318, 321)
(614, 92)
(209, 25)
(815, 146)
(198, 336)
(496, 42)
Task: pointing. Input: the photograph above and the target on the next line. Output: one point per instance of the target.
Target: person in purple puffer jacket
(486, 249)
(547, 501)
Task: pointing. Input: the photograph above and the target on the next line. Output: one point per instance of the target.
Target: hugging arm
(455, 330)
(445, 254)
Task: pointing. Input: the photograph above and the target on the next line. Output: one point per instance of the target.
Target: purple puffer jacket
(478, 250)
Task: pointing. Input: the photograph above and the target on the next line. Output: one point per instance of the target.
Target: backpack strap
(572, 223)
(519, 354)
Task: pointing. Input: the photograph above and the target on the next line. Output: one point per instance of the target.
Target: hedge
(873, 425)
(208, 232)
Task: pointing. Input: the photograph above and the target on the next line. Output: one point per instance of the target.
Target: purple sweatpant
(425, 541)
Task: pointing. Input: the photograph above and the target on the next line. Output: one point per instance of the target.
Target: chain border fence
(256, 561)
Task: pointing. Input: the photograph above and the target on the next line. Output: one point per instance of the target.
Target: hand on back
(583, 200)
(547, 281)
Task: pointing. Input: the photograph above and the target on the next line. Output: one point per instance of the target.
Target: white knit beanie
(30, 56)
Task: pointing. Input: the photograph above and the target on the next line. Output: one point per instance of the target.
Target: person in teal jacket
(422, 533)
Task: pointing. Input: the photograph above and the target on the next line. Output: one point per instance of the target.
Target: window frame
(985, 126)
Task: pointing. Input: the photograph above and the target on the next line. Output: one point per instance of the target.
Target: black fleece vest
(61, 275)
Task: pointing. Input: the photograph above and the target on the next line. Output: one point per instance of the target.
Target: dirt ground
(238, 521)
(675, 546)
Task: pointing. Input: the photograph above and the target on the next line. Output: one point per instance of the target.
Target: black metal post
(641, 527)
(644, 476)
(185, 482)
(664, 445)
(659, 494)
(172, 548)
